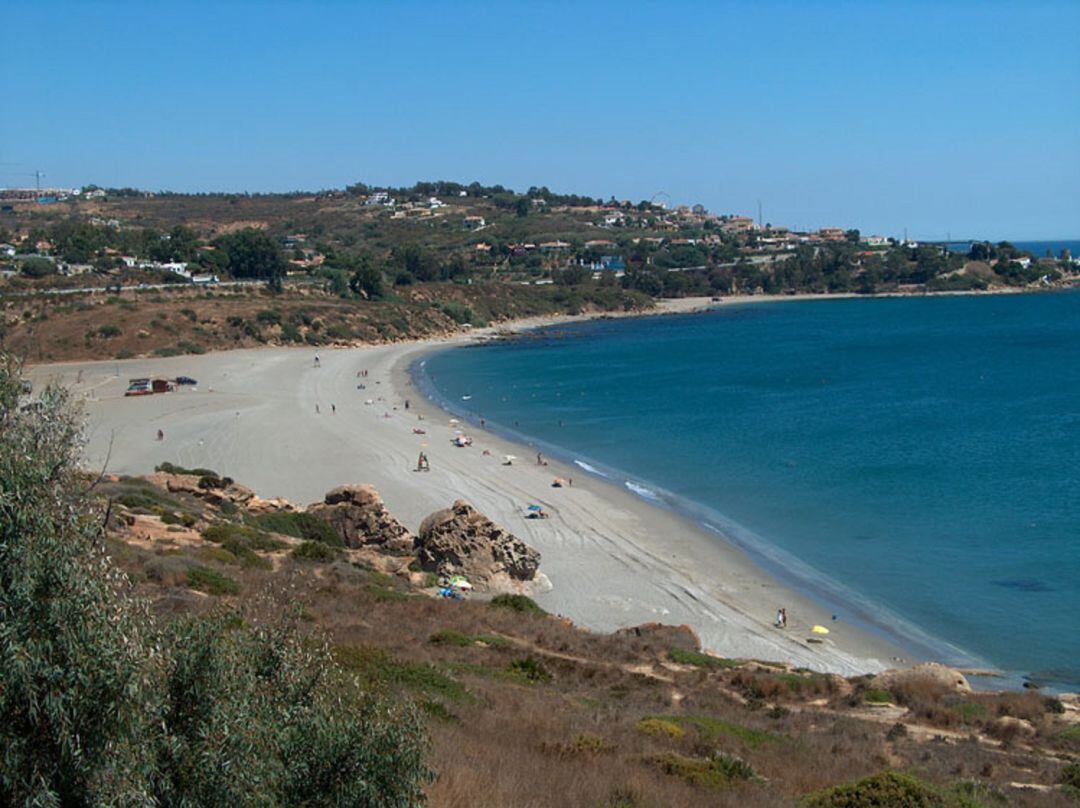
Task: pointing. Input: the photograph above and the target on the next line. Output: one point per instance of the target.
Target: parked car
(185, 380)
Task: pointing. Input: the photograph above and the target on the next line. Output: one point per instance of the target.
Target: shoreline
(254, 419)
(607, 573)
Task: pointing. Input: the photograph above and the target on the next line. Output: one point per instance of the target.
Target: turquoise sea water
(914, 463)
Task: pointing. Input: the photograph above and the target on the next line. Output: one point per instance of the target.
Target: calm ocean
(914, 462)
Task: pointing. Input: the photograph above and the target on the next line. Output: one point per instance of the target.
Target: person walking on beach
(333, 409)
(160, 435)
(316, 409)
(781, 618)
(422, 463)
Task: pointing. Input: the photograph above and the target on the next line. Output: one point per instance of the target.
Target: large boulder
(360, 518)
(928, 672)
(664, 636)
(210, 488)
(460, 540)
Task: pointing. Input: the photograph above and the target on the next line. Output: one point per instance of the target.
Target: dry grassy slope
(187, 320)
(526, 710)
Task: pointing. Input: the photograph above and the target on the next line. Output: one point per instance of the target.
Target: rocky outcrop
(664, 636)
(460, 540)
(359, 516)
(213, 490)
(942, 675)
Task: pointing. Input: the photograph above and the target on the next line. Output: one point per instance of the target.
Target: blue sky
(947, 117)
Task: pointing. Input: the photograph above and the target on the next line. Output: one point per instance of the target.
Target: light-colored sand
(614, 561)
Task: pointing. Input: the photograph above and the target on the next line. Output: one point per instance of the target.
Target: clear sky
(941, 117)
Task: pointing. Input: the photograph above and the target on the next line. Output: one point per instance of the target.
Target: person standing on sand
(160, 435)
(781, 618)
(333, 409)
(316, 409)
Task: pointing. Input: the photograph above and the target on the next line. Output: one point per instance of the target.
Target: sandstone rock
(927, 671)
(215, 491)
(257, 505)
(358, 515)
(460, 540)
(668, 637)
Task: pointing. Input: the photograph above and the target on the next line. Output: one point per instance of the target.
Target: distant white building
(875, 241)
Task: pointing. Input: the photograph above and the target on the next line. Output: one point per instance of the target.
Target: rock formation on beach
(359, 516)
(939, 674)
(460, 540)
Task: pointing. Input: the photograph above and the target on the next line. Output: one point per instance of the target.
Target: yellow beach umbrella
(819, 630)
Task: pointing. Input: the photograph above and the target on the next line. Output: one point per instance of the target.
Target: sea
(913, 464)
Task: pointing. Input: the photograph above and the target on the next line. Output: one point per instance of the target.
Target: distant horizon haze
(947, 119)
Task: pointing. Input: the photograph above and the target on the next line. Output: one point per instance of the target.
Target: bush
(73, 650)
(269, 316)
(516, 603)
(169, 468)
(108, 331)
(1070, 775)
(314, 551)
(99, 705)
(660, 726)
(230, 533)
(717, 771)
(877, 696)
(211, 582)
(299, 526)
(684, 657)
(886, 788)
(530, 670)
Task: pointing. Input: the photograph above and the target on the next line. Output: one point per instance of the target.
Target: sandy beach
(274, 420)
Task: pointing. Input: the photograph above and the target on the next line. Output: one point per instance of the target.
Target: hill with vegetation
(363, 264)
(175, 640)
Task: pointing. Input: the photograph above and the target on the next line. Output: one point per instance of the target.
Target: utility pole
(759, 214)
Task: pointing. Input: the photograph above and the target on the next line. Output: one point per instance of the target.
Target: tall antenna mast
(37, 176)
(759, 213)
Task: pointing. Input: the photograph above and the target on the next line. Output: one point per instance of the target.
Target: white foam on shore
(581, 464)
(643, 492)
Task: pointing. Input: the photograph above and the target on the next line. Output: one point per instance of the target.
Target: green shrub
(314, 551)
(971, 711)
(378, 670)
(108, 331)
(1070, 775)
(300, 526)
(660, 726)
(211, 581)
(877, 696)
(712, 728)
(170, 468)
(884, 789)
(717, 771)
(699, 660)
(269, 316)
(516, 603)
(242, 536)
(529, 670)
(449, 636)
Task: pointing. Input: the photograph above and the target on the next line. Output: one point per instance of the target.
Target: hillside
(527, 710)
(374, 261)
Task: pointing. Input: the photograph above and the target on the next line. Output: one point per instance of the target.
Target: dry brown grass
(501, 739)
